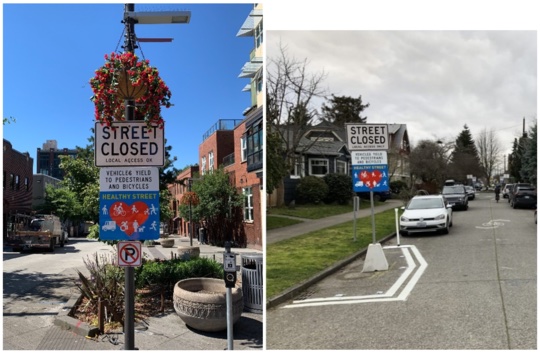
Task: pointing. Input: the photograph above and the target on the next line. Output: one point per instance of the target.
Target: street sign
(368, 178)
(367, 136)
(369, 157)
(129, 203)
(129, 253)
(129, 143)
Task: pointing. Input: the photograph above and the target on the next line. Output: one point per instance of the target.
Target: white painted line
(386, 297)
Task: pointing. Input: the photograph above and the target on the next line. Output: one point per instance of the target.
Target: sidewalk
(167, 331)
(311, 225)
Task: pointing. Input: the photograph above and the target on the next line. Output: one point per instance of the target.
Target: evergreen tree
(344, 109)
(464, 160)
(529, 161)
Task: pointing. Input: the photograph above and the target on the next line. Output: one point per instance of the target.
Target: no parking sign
(129, 253)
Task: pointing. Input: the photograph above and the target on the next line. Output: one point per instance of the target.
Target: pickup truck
(43, 232)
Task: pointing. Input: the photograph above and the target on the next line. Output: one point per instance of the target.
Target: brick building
(179, 225)
(18, 169)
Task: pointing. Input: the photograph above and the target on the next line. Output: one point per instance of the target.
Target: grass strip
(318, 211)
(294, 260)
(273, 222)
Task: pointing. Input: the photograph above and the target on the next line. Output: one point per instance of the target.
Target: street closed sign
(367, 136)
(130, 143)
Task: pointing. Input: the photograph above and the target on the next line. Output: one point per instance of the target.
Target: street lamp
(161, 17)
(130, 19)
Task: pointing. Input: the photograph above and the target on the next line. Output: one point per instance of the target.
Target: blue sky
(50, 52)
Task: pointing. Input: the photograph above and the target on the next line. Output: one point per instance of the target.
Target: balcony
(228, 160)
(221, 125)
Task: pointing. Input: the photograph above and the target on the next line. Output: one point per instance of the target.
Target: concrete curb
(65, 321)
(294, 291)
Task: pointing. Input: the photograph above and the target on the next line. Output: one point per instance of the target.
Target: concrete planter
(188, 252)
(166, 243)
(202, 303)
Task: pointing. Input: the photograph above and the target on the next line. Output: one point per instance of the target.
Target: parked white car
(428, 213)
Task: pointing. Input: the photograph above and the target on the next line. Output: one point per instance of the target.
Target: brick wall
(17, 175)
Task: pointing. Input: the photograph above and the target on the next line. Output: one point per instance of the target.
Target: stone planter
(188, 252)
(166, 243)
(202, 303)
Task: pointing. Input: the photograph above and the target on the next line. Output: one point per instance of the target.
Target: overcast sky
(435, 81)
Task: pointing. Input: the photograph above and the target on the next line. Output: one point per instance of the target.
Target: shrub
(311, 189)
(397, 186)
(339, 188)
(106, 282)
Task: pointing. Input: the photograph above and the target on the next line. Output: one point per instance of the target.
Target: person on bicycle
(497, 192)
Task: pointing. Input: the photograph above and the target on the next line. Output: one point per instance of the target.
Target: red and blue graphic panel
(129, 215)
(368, 178)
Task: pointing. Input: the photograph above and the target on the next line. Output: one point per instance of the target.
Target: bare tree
(488, 152)
(290, 89)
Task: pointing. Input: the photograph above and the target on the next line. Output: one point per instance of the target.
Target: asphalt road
(474, 288)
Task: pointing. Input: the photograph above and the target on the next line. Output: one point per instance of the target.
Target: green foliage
(276, 166)
(464, 160)
(344, 109)
(219, 207)
(311, 189)
(397, 186)
(167, 273)
(528, 171)
(106, 283)
(9, 120)
(339, 188)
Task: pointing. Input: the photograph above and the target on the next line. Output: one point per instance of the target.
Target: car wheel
(514, 205)
(446, 229)
(451, 223)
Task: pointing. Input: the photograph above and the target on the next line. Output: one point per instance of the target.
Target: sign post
(368, 144)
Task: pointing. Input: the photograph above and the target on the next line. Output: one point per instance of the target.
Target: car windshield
(425, 203)
(453, 190)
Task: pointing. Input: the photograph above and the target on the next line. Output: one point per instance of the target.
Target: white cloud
(434, 81)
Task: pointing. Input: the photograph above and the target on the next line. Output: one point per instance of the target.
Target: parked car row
(520, 195)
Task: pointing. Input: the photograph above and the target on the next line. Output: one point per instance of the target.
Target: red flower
(109, 105)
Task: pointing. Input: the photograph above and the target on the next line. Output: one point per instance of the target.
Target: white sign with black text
(369, 157)
(129, 143)
(361, 136)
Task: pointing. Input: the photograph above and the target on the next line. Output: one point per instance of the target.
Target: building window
(297, 170)
(259, 34)
(211, 161)
(254, 144)
(203, 165)
(259, 84)
(318, 167)
(26, 184)
(341, 167)
(12, 181)
(17, 182)
(243, 148)
(248, 204)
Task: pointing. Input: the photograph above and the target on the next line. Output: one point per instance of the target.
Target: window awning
(251, 68)
(248, 27)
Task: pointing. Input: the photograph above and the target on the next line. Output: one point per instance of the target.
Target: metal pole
(356, 207)
(129, 289)
(397, 226)
(229, 319)
(372, 217)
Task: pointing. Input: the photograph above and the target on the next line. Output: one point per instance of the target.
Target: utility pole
(129, 286)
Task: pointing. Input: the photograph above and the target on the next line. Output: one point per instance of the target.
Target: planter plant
(125, 77)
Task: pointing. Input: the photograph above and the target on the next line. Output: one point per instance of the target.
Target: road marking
(494, 223)
(388, 296)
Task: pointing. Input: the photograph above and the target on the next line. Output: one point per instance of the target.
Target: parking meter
(229, 266)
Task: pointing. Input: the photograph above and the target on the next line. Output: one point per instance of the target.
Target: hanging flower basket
(125, 77)
(190, 198)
